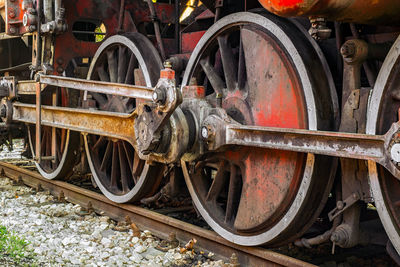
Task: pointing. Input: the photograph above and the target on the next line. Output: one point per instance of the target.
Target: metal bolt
(204, 132)
(335, 237)
(395, 153)
(193, 81)
(168, 64)
(12, 30)
(348, 50)
(32, 28)
(32, 11)
(234, 261)
(340, 205)
(159, 96)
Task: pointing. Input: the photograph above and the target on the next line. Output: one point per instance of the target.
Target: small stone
(140, 249)
(105, 242)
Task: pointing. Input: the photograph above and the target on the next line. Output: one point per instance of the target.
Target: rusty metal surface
(136, 16)
(381, 113)
(253, 195)
(111, 124)
(358, 11)
(127, 90)
(347, 145)
(115, 164)
(158, 224)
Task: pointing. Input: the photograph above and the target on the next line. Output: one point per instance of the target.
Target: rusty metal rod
(157, 30)
(338, 144)
(111, 124)
(133, 91)
(38, 128)
(348, 145)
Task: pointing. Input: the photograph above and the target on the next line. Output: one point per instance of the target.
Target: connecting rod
(382, 149)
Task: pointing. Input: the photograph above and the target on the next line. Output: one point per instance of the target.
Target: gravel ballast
(60, 235)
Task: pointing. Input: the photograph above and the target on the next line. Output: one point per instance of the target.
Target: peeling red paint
(285, 3)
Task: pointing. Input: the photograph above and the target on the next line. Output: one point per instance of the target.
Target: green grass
(14, 248)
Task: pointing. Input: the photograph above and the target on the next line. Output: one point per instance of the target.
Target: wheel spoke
(100, 99)
(241, 64)
(99, 143)
(122, 66)
(217, 183)
(138, 165)
(228, 62)
(233, 193)
(112, 65)
(103, 75)
(129, 155)
(122, 165)
(129, 79)
(215, 80)
(107, 157)
(114, 167)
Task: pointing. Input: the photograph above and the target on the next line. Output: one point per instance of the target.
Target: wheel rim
(231, 189)
(65, 145)
(382, 112)
(117, 169)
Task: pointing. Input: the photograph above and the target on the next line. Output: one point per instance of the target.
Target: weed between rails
(13, 249)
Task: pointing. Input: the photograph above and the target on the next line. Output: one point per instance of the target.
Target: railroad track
(160, 225)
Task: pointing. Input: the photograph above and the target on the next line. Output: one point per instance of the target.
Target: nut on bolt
(207, 132)
(159, 96)
(348, 50)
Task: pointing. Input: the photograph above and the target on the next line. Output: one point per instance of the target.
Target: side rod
(110, 124)
(382, 149)
(127, 90)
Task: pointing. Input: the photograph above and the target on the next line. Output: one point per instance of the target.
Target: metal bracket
(153, 116)
(341, 206)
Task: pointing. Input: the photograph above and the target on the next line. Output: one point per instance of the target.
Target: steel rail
(160, 225)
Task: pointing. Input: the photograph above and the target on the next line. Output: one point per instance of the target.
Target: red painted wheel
(263, 71)
(117, 169)
(382, 112)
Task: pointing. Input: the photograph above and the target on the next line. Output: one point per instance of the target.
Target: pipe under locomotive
(277, 113)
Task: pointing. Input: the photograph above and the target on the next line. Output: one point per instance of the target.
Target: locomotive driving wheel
(383, 110)
(117, 169)
(263, 71)
(58, 146)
